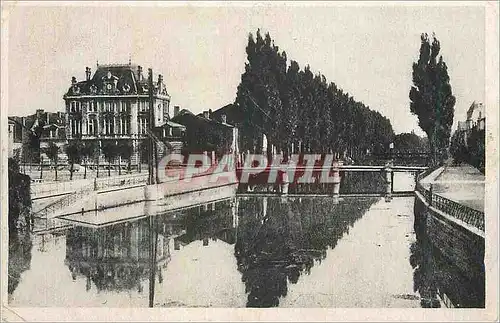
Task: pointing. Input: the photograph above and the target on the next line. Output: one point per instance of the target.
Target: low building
(205, 134)
(29, 133)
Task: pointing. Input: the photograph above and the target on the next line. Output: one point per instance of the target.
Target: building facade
(208, 135)
(113, 106)
(30, 135)
(476, 119)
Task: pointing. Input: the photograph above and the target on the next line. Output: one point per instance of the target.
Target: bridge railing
(457, 210)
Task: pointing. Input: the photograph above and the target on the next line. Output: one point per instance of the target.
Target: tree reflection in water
(281, 238)
(20, 245)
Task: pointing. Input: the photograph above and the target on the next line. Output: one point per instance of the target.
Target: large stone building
(113, 106)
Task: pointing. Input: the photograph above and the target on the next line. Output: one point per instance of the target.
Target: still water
(245, 251)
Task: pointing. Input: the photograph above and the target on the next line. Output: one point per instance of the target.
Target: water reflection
(121, 256)
(438, 280)
(20, 246)
(280, 239)
(242, 251)
(117, 257)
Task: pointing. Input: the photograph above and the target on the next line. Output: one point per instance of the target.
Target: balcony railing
(454, 209)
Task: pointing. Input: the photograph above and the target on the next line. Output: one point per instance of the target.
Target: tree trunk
(109, 168)
(56, 169)
(85, 171)
(119, 168)
(97, 168)
(41, 169)
(71, 170)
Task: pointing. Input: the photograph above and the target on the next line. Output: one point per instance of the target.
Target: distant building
(113, 105)
(11, 129)
(47, 126)
(476, 119)
(206, 134)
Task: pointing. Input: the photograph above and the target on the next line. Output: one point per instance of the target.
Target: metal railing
(459, 211)
(100, 183)
(127, 180)
(64, 201)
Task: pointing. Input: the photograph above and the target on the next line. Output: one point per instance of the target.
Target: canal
(244, 251)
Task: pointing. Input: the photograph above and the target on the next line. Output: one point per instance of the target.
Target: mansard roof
(123, 78)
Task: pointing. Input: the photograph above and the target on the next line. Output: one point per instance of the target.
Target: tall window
(76, 127)
(124, 126)
(143, 105)
(73, 106)
(143, 124)
(92, 127)
(159, 113)
(111, 126)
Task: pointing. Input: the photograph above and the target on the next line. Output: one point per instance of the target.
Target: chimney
(223, 118)
(87, 73)
(73, 80)
(176, 110)
(160, 79)
(139, 72)
(205, 114)
(47, 114)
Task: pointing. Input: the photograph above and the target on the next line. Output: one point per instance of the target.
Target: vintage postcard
(249, 161)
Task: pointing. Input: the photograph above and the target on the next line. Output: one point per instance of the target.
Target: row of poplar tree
(295, 108)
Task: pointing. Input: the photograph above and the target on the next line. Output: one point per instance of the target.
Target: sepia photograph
(215, 161)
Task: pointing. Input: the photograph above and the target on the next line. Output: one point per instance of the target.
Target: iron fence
(457, 210)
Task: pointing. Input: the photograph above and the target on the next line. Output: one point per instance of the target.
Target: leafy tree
(110, 151)
(294, 107)
(90, 149)
(410, 142)
(142, 149)
(125, 151)
(458, 148)
(52, 152)
(431, 96)
(476, 145)
(74, 151)
(19, 196)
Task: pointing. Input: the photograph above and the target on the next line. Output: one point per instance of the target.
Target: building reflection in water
(116, 257)
(119, 257)
(280, 239)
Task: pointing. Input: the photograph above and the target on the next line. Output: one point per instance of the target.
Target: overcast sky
(366, 51)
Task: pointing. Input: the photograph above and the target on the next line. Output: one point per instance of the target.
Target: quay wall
(461, 246)
(123, 195)
(456, 252)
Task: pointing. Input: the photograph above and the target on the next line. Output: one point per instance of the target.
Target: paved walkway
(463, 184)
